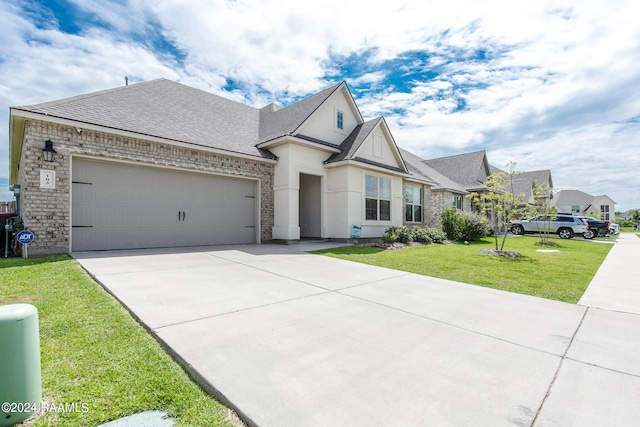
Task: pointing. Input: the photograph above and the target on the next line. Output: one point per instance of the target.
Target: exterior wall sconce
(48, 151)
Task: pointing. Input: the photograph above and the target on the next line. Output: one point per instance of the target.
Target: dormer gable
(334, 119)
(371, 143)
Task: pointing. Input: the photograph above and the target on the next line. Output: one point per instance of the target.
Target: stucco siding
(322, 125)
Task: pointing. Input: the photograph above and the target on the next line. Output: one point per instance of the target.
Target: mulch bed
(509, 254)
(393, 246)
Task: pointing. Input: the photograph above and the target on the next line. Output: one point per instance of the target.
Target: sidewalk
(616, 285)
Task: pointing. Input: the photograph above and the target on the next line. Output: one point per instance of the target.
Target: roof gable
(468, 169)
(572, 197)
(371, 142)
(301, 118)
(603, 200)
(421, 171)
(526, 182)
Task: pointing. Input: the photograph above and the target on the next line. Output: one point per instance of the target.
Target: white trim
(420, 188)
(420, 181)
(367, 166)
(390, 141)
(290, 139)
(342, 89)
(377, 141)
(129, 134)
(364, 198)
(337, 111)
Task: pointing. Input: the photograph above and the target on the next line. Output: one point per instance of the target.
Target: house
(160, 164)
(576, 201)
(535, 186)
(469, 171)
(443, 192)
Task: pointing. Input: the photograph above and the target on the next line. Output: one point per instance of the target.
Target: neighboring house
(534, 185)
(578, 202)
(439, 192)
(468, 171)
(161, 164)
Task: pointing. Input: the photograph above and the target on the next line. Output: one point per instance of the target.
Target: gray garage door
(124, 206)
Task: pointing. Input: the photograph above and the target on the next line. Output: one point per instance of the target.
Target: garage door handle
(178, 215)
(183, 215)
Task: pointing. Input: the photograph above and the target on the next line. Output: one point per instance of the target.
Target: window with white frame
(413, 203)
(604, 212)
(377, 198)
(339, 120)
(457, 202)
(575, 208)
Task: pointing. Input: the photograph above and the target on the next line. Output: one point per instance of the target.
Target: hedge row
(404, 234)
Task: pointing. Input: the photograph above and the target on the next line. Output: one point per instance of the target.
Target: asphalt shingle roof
(169, 110)
(285, 121)
(572, 197)
(462, 168)
(525, 182)
(355, 139)
(419, 169)
(165, 109)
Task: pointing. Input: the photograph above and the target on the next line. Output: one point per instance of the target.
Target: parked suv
(565, 226)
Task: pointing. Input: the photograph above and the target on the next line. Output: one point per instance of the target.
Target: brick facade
(46, 212)
(441, 200)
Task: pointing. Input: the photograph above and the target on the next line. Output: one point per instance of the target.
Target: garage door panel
(121, 206)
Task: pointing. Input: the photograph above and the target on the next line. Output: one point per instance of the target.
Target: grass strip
(562, 276)
(93, 352)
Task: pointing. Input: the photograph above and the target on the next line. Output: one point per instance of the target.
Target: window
(339, 120)
(412, 204)
(575, 208)
(604, 212)
(377, 198)
(457, 202)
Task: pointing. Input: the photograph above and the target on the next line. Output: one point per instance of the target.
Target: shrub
(625, 223)
(400, 234)
(475, 227)
(403, 234)
(422, 235)
(437, 235)
(452, 223)
(390, 235)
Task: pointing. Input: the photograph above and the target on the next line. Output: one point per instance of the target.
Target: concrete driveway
(292, 339)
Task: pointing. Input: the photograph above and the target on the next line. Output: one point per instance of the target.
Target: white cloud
(556, 83)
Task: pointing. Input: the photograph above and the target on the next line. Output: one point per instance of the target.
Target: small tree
(542, 208)
(500, 201)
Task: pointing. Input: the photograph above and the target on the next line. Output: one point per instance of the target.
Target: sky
(545, 84)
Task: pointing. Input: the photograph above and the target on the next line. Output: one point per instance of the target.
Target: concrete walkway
(616, 285)
(292, 339)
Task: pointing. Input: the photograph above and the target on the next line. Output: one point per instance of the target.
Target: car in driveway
(599, 228)
(565, 226)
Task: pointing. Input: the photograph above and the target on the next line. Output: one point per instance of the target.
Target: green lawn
(93, 352)
(560, 276)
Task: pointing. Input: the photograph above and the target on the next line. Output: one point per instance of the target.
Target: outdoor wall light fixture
(48, 151)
